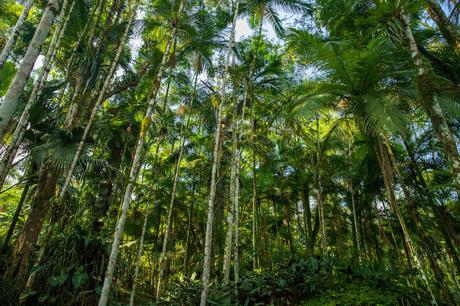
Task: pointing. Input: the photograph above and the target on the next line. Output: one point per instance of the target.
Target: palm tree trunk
(355, 221)
(189, 229)
(432, 107)
(100, 98)
(231, 203)
(163, 259)
(387, 171)
(425, 240)
(320, 199)
(139, 256)
(17, 28)
(18, 134)
(40, 255)
(445, 26)
(11, 99)
(133, 175)
(255, 254)
(19, 259)
(215, 165)
(15, 218)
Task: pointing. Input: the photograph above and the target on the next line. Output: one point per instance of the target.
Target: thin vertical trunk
(355, 221)
(121, 45)
(254, 195)
(19, 259)
(320, 199)
(447, 29)
(431, 104)
(15, 218)
(9, 104)
(189, 230)
(425, 240)
(40, 255)
(387, 171)
(307, 215)
(167, 237)
(231, 203)
(19, 131)
(14, 35)
(139, 257)
(215, 165)
(133, 174)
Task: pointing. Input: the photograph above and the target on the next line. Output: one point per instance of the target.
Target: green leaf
(55, 281)
(79, 278)
(6, 76)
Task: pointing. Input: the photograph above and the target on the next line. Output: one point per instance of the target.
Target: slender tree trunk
(14, 35)
(355, 221)
(19, 259)
(425, 240)
(163, 259)
(15, 218)
(9, 104)
(387, 170)
(320, 199)
(231, 203)
(445, 26)
(100, 98)
(215, 165)
(139, 257)
(308, 216)
(40, 255)
(189, 230)
(431, 104)
(133, 174)
(19, 131)
(255, 254)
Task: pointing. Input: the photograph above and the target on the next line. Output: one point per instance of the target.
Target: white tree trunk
(99, 101)
(132, 177)
(9, 104)
(231, 204)
(20, 129)
(139, 257)
(162, 262)
(212, 191)
(17, 28)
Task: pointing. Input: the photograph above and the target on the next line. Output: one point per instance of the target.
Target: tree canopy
(243, 152)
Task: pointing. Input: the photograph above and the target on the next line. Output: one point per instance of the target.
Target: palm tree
(14, 34)
(9, 104)
(175, 10)
(200, 44)
(39, 84)
(215, 164)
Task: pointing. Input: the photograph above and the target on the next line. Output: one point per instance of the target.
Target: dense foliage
(244, 152)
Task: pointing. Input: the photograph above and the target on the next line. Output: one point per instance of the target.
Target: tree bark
(431, 105)
(139, 257)
(9, 104)
(20, 129)
(445, 26)
(20, 257)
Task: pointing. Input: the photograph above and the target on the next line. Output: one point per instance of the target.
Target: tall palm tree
(9, 104)
(14, 34)
(174, 18)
